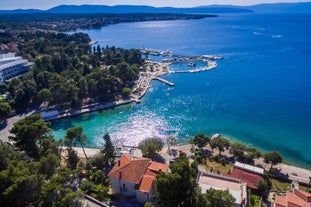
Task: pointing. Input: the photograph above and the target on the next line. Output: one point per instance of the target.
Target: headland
(151, 70)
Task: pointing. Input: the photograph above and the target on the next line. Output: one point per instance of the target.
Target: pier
(164, 81)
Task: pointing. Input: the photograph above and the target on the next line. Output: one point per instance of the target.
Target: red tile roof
(293, 199)
(130, 169)
(158, 167)
(280, 201)
(146, 183)
(251, 179)
(296, 198)
(303, 195)
(141, 171)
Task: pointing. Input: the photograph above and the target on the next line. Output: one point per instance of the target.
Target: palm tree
(75, 135)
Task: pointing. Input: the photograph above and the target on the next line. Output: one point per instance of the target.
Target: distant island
(64, 22)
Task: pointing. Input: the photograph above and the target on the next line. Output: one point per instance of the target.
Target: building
(295, 198)
(134, 177)
(249, 178)
(235, 187)
(249, 168)
(249, 174)
(12, 66)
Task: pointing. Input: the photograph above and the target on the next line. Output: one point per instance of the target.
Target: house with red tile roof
(134, 177)
(295, 198)
(251, 179)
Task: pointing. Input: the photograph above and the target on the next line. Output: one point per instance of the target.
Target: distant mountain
(142, 9)
(20, 11)
(303, 7)
(121, 9)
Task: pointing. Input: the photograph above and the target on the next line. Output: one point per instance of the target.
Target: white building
(12, 66)
(235, 187)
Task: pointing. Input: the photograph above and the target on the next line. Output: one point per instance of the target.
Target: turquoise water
(260, 93)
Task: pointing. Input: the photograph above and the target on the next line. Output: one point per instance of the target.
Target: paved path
(5, 132)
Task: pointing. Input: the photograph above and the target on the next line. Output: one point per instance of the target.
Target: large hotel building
(12, 66)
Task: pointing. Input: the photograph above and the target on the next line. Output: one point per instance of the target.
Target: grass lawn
(218, 167)
(280, 185)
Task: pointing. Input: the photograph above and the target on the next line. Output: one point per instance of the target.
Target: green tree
(49, 146)
(156, 141)
(28, 132)
(150, 151)
(72, 158)
(273, 158)
(20, 178)
(220, 143)
(48, 165)
(108, 151)
(7, 154)
(97, 161)
(44, 94)
(58, 192)
(251, 154)
(126, 91)
(263, 188)
(87, 186)
(238, 149)
(5, 110)
(219, 198)
(150, 147)
(200, 140)
(179, 187)
(75, 135)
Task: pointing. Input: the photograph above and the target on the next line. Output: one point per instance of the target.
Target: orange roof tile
(146, 183)
(293, 199)
(280, 201)
(158, 167)
(303, 195)
(137, 170)
(129, 169)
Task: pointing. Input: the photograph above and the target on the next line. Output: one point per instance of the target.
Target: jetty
(164, 81)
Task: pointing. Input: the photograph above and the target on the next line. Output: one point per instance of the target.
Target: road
(5, 132)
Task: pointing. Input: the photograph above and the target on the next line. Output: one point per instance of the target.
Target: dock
(164, 81)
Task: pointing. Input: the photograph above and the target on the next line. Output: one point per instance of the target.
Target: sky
(46, 4)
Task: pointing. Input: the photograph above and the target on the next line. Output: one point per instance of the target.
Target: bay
(259, 94)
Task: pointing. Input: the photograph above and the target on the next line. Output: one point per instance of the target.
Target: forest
(69, 70)
(69, 22)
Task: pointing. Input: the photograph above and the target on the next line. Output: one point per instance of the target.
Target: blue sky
(46, 4)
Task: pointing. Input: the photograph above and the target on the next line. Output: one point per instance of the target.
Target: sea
(259, 93)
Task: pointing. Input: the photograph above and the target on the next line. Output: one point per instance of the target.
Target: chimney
(119, 163)
(160, 169)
